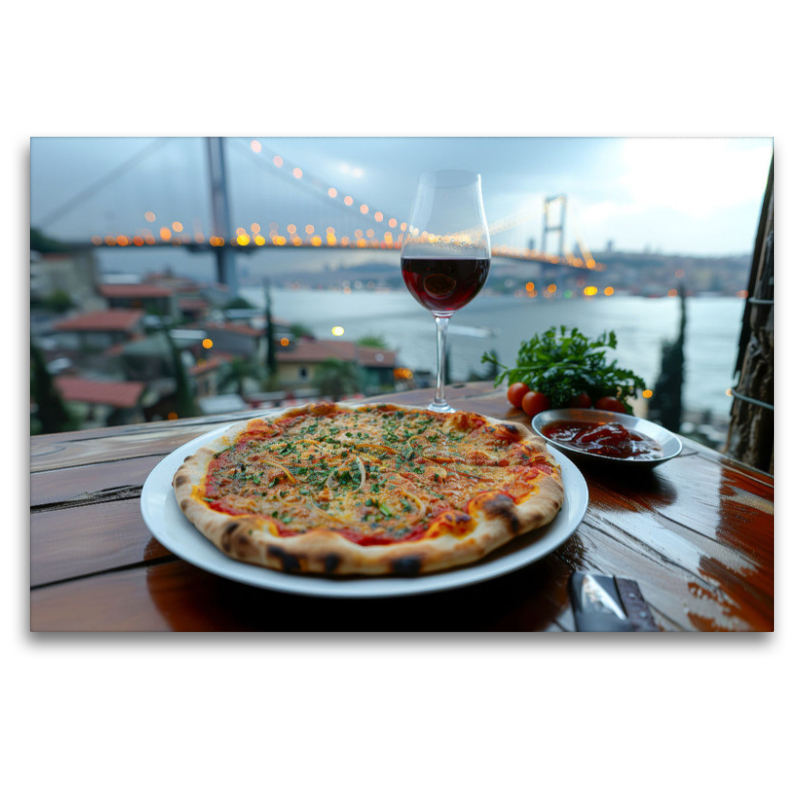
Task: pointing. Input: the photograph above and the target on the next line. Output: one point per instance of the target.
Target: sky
(698, 196)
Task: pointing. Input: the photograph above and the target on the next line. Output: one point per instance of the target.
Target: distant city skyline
(689, 196)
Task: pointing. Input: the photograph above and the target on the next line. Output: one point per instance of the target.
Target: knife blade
(603, 603)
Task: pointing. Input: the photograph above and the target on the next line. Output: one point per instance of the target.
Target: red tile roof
(120, 394)
(375, 357)
(209, 364)
(192, 304)
(115, 319)
(315, 351)
(134, 290)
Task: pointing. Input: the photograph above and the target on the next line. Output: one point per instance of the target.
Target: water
(502, 322)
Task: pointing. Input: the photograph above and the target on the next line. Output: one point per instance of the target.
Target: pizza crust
(253, 539)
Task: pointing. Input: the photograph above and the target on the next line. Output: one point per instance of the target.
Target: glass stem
(441, 354)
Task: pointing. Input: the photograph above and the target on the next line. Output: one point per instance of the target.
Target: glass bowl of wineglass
(446, 253)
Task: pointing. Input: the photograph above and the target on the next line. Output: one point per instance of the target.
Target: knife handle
(588, 622)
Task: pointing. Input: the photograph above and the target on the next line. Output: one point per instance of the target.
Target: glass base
(441, 408)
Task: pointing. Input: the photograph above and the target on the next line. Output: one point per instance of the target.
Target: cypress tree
(667, 404)
(51, 411)
(272, 364)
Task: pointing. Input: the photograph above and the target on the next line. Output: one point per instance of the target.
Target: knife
(603, 603)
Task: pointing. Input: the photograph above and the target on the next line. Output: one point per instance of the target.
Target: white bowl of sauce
(607, 437)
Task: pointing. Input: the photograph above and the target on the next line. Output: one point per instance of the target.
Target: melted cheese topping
(377, 476)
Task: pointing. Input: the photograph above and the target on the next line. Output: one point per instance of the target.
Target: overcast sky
(689, 196)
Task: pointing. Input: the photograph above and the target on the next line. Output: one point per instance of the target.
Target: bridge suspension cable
(102, 182)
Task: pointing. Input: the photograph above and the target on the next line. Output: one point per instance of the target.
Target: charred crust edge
(331, 563)
(407, 565)
(502, 507)
(289, 562)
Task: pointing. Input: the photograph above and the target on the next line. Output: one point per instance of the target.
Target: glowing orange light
(331, 240)
(284, 342)
(277, 161)
(240, 231)
(345, 240)
(608, 291)
(647, 393)
(316, 241)
(529, 286)
(243, 239)
(364, 208)
(260, 240)
(149, 238)
(552, 288)
(378, 216)
(208, 344)
(403, 226)
(166, 234)
(330, 229)
(392, 223)
(361, 243)
(370, 233)
(297, 172)
(729, 392)
(297, 241)
(309, 229)
(255, 227)
(177, 227)
(110, 240)
(292, 229)
(149, 216)
(332, 192)
(122, 240)
(348, 201)
(172, 415)
(672, 293)
(255, 146)
(590, 290)
(387, 237)
(280, 241)
(138, 241)
(97, 240)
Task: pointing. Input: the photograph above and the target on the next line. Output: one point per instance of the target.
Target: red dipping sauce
(606, 439)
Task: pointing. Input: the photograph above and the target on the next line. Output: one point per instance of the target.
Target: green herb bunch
(562, 364)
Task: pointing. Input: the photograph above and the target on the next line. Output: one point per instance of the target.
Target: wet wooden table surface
(696, 534)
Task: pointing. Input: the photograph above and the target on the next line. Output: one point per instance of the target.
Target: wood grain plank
(91, 483)
(68, 543)
(697, 534)
(176, 596)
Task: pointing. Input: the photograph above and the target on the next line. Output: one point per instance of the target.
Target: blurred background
(176, 277)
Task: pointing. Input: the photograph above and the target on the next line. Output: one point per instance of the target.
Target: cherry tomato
(534, 402)
(516, 392)
(581, 400)
(610, 404)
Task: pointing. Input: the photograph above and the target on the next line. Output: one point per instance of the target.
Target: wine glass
(446, 253)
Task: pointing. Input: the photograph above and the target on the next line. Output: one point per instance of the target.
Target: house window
(302, 372)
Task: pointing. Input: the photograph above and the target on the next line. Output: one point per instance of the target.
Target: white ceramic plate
(168, 524)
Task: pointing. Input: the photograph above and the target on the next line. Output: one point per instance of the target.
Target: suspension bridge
(304, 212)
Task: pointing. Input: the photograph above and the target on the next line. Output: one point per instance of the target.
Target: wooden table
(696, 533)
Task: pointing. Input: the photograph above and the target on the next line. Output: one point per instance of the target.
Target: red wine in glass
(444, 284)
(446, 253)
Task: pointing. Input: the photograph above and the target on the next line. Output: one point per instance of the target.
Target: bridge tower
(226, 260)
(547, 227)
(554, 272)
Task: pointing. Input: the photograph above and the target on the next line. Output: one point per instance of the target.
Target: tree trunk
(751, 435)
